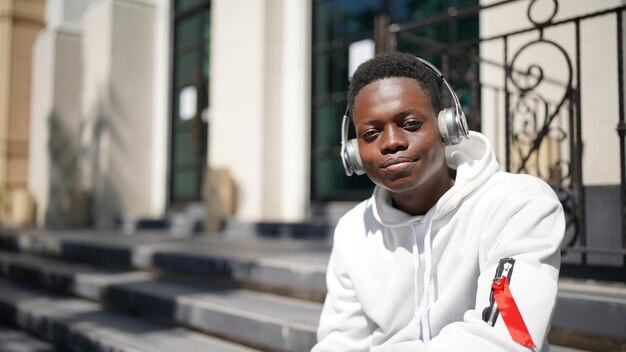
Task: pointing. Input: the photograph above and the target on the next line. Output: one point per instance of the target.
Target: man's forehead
(390, 91)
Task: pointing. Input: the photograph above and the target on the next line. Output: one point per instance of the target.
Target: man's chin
(399, 186)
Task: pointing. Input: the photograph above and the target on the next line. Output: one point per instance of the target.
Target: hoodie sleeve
(530, 230)
(343, 326)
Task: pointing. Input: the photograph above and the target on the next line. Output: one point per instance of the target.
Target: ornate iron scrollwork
(536, 122)
(536, 22)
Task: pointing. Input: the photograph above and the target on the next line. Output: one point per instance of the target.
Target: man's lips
(394, 161)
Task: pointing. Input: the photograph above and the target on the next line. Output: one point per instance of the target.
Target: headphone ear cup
(450, 126)
(443, 126)
(353, 157)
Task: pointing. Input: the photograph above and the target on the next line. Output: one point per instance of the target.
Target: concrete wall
(55, 117)
(259, 105)
(599, 100)
(55, 129)
(117, 109)
(65, 14)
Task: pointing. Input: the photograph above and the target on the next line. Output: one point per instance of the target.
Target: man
(445, 237)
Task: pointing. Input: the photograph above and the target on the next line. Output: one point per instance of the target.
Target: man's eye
(412, 124)
(368, 134)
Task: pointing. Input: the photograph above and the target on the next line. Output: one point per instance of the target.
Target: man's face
(397, 134)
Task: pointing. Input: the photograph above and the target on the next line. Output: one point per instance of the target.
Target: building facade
(140, 107)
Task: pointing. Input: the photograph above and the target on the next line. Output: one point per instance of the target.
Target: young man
(423, 264)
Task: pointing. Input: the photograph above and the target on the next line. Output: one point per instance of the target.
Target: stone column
(260, 106)
(55, 115)
(296, 110)
(117, 109)
(236, 130)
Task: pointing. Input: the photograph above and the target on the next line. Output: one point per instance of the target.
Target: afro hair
(395, 64)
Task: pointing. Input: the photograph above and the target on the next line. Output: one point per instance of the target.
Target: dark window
(191, 46)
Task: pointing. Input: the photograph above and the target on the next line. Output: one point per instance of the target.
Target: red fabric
(510, 313)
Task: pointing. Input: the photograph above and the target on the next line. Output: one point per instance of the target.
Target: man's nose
(393, 140)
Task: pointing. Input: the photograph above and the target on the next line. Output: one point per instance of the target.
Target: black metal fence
(538, 110)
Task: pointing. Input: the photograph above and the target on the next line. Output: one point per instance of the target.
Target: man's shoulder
(355, 214)
(519, 185)
(353, 225)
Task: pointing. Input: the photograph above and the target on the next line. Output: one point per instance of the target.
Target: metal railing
(542, 130)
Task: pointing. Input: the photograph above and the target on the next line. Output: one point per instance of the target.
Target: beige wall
(599, 98)
(19, 23)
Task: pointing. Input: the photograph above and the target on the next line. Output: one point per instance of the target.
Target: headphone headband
(455, 98)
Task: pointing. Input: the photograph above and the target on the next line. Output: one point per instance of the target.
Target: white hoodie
(398, 282)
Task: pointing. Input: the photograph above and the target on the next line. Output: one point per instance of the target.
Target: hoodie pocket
(505, 269)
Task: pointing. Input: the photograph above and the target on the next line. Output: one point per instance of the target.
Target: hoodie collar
(474, 161)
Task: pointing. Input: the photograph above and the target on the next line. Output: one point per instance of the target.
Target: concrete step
(590, 315)
(253, 318)
(73, 324)
(12, 340)
(286, 266)
(602, 304)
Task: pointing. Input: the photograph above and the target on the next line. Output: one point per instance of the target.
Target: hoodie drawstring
(416, 260)
(422, 312)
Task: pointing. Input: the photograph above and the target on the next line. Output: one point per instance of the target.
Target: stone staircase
(12, 340)
(96, 291)
(151, 291)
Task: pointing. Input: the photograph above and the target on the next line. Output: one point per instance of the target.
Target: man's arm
(343, 326)
(530, 232)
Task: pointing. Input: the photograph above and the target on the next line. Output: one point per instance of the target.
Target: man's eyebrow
(402, 114)
(368, 122)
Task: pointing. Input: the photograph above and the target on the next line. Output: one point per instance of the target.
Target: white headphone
(451, 121)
